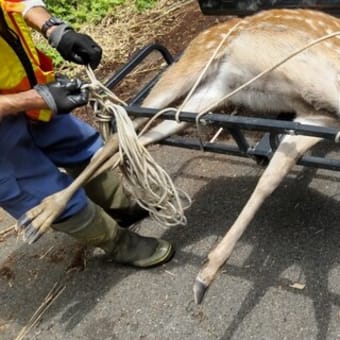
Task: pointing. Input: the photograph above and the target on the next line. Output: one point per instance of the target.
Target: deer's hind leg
(285, 157)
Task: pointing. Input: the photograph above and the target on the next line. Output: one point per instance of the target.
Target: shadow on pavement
(297, 225)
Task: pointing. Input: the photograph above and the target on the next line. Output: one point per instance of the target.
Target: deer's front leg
(288, 152)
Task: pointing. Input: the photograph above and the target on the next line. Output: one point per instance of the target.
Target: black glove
(63, 95)
(77, 47)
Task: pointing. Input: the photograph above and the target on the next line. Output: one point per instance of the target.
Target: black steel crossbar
(257, 153)
(247, 123)
(262, 150)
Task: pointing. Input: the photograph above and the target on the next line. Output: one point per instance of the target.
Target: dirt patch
(170, 25)
(189, 23)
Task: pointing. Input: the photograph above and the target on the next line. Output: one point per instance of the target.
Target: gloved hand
(63, 95)
(77, 47)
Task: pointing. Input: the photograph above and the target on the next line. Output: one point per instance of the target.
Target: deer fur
(306, 85)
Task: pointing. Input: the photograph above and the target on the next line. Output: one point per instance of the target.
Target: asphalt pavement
(281, 282)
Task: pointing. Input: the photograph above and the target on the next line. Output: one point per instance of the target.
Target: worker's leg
(66, 140)
(107, 191)
(94, 227)
(70, 143)
(27, 176)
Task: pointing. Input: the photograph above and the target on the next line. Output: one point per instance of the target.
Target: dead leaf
(297, 285)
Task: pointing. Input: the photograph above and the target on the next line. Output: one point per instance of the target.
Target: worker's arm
(31, 99)
(37, 15)
(63, 95)
(73, 46)
(19, 102)
(60, 96)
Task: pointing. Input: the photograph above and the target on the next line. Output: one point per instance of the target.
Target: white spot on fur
(211, 45)
(329, 45)
(290, 17)
(329, 31)
(312, 24)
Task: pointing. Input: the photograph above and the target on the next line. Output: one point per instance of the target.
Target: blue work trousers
(30, 154)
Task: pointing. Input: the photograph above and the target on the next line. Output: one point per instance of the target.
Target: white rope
(149, 184)
(145, 180)
(204, 71)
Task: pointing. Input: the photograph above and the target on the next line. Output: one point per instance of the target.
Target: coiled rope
(145, 180)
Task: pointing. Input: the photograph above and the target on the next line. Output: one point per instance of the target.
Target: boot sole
(155, 259)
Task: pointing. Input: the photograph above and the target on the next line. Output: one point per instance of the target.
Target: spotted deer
(306, 85)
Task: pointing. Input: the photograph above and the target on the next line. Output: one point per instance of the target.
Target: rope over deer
(306, 85)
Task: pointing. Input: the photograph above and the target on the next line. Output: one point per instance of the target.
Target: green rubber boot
(94, 227)
(106, 190)
(138, 251)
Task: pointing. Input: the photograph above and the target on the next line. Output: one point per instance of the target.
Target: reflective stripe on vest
(14, 77)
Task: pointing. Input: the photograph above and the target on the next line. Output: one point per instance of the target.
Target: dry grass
(127, 30)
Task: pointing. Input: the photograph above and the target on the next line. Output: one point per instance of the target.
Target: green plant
(89, 11)
(144, 4)
(79, 12)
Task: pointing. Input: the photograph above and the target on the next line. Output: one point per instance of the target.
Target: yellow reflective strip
(45, 115)
(10, 6)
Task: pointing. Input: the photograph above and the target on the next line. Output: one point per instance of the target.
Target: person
(39, 135)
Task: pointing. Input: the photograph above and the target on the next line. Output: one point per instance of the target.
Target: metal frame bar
(261, 150)
(133, 63)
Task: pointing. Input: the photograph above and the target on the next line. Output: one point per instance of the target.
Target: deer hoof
(199, 290)
(25, 226)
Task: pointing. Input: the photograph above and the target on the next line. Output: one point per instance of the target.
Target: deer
(306, 85)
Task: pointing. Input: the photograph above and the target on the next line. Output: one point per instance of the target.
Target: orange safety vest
(23, 65)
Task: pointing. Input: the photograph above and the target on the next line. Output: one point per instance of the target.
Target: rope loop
(144, 179)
